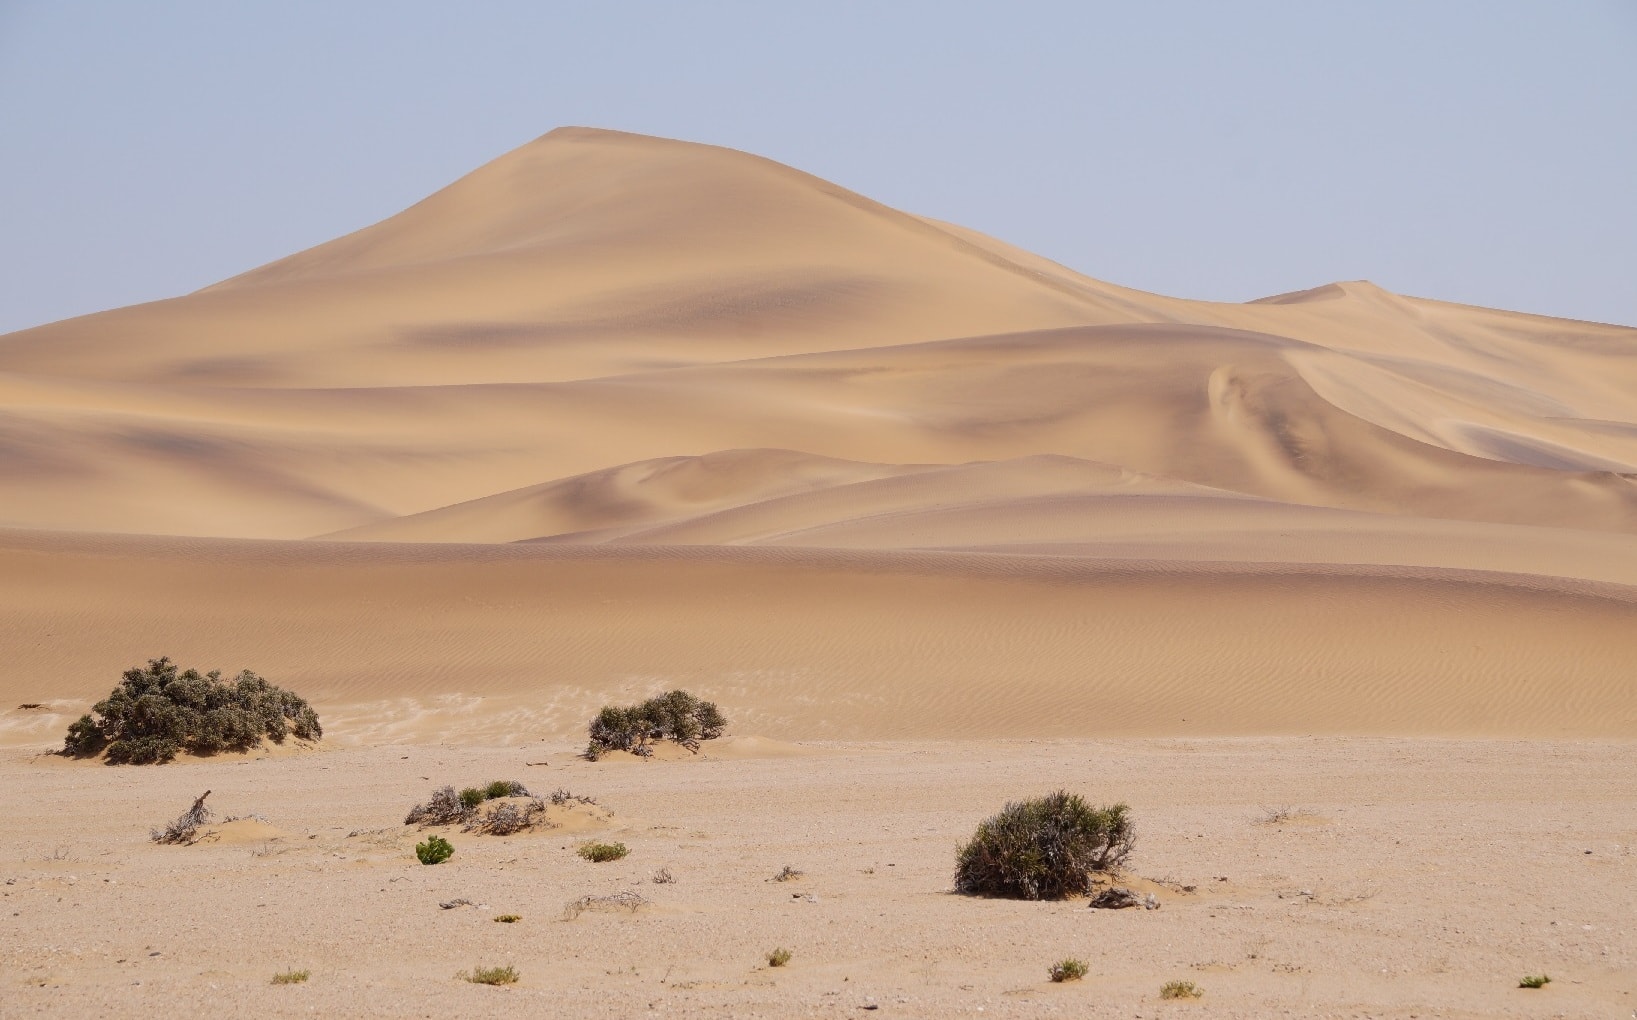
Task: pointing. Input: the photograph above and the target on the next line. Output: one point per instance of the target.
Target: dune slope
(1015, 498)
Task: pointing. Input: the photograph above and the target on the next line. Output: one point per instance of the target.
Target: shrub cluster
(1044, 849)
(158, 711)
(677, 716)
(446, 807)
(597, 853)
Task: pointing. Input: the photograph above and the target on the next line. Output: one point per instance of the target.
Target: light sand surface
(614, 415)
(1426, 878)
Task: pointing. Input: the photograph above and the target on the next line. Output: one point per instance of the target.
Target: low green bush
(1534, 981)
(435, 850)
(677, 716)
(158, 711)
(291, 977)
(778, 957)
(490, 975)
(1180, 990)
(1044, 849)
(597, 853)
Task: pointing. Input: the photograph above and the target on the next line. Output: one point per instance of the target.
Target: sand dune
(986, 495)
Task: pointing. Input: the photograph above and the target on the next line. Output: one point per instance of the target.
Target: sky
(1480, 152)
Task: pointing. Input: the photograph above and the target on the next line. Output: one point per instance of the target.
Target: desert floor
(1416, 878)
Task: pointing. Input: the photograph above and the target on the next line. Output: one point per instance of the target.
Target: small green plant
(778, 957)
(291, 977)
(471, 797)
(490, 975)
(1534, 981)
(435, 850)
(1068, 970)
(677, 716)
(504, 788)
(508, 918)
(597, 853)
(1180, 990)
(1044, 849)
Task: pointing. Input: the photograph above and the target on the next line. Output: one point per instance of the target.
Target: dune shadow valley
(1335, 590)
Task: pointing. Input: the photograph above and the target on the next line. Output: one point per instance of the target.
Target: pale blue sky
(1474, 150)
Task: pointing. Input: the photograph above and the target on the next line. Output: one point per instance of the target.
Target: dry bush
(663, 877)
(1044, 849)
(778, 957)
(786, 873)
(562, 798)
(506, 819)
(444, 808)
(185, 829)
(627, 901)
(490, 975)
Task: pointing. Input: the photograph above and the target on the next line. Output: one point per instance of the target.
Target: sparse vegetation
(1068, 969)
(185, 829)
(597, 853)
(1284, 813)
(157, 712)
(1534, 981)
(508, 818)
(778, 957)
(1180, 990)
(677, 716)
(445, 807)
(490, 975)
(291, 977)
(562, 798)
(508, 918)
(1044, 849)
(663, 877)
(786, 873)
(435, 850)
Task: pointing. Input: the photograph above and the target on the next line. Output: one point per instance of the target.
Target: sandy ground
(1419, 878)
(613, 415)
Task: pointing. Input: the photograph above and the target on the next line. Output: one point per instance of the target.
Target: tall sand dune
(614, 413)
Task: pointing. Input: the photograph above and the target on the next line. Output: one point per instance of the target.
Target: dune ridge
(615, 412)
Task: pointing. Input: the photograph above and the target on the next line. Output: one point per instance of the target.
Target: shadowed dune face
(605, 340)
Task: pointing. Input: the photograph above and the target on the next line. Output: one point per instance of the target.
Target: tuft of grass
(1534, 981)
(663, 877)
(778, 957)
(508, 918)
(504, 788)
(597, 853)
(291, 977)
(1180, 990)
(786, 873)
(471, 797)
(490, 975)
(1044, 849)
(435, 850)
(1068, 969)
(628, 901)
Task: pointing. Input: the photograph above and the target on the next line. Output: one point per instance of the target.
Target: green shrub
(158, 711)
(1044, 849)
(597, 853)
(1068, 970)
(435, 850)
(471, 797)
(508, 918)
(1180, 990)
(291, 977)
(778, 957)
(677, 716)
(490, 975)
(504, 788)
(1534, 981)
